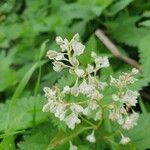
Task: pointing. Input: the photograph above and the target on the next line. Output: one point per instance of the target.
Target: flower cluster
(88, 85)
(123, 101)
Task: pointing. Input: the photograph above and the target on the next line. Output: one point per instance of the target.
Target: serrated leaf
(125, 31)
(144, 52)
(39, 137)
(21, 115)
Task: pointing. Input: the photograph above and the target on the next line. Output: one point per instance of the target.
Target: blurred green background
(28, 29)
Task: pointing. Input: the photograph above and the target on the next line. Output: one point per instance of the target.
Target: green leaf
(145, 23)
(8, 76)
(8, 144)
(140, 135)
(144, 52)
(125, 31)
(118, 6)
(24, 82)
(39, 137)
(21, 115)
(91, 45)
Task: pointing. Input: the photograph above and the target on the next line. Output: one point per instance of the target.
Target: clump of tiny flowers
(88, 84)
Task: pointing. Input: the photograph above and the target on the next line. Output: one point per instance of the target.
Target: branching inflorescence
(88, 84)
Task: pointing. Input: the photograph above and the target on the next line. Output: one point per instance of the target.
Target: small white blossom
(130, 98)
(49, 93)
(59, 111)
(114, 115)
(79, 72)
(66, 90)
(130, 121)
(51, 54)
(96, 95)
(75, 90)
(135, 71)
(76, 108)
(101, 62)
(86, 88)
(93, 54)
(124, 140)
(115, 97)
(72, 147)
(78, 48)
(59, 40)
(71, 120)
(123, 80)
(58, 66)
(91, 138)
(74, 61)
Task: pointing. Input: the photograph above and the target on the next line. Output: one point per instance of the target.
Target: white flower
(72, 147)
(130, 98)
(78, 48)
(71, 120)
(93, 54)
(114, 115)
(66, 90)
(58, 66)
(101, 62)
(123, 80)
(60, 111)
(130, 121)
(59, 40)
(74, 61)
(76, 108)
(75, 90)
(96, 95)
(115, 97)
(86, 88)
(91, 137)
(124, 140)
(135, 71)
(49, 93)
(51, 54)
(79, 72)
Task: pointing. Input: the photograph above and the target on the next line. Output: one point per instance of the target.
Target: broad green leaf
(39, 137)
(21, 114)
(140, 135)
(8, 144)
